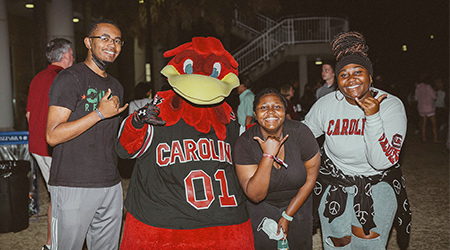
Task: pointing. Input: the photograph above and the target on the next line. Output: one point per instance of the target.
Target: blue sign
(13, 137)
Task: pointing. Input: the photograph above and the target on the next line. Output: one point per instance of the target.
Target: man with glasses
(59, 54)
(82, 125)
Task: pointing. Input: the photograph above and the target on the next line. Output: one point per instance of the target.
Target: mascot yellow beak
(200, 89)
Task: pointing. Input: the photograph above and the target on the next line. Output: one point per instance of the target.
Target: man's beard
(100, 64)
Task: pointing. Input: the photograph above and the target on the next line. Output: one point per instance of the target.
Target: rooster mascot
(184, 192)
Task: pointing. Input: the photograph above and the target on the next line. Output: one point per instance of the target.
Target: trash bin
(16, 181)
(14, 189)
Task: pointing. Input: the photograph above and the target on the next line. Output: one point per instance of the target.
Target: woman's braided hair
(349, 43)
(350, 47)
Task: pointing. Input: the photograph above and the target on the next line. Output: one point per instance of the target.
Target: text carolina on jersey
(190, 150)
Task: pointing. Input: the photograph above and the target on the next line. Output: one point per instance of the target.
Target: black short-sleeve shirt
(299, 147)
(89, 160)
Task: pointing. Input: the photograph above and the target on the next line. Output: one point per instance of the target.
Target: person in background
(328, 76)
(277, 163)
(142, 96)
(360, 187)
(441, 105)
(426, 97)
(291, 110)
(296, 85)
(308, 99)
(245, 108)
(411, 108)
(59, 54)
(82, 126)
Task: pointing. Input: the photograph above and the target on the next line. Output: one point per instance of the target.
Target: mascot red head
(202, 71)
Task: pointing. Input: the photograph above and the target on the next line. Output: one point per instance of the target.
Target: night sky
(387, 25)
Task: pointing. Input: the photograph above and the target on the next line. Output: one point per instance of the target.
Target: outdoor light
(404, 47)
(141, 1)
(432, 36)
(29, 6)
(76, 20)
(318, 61)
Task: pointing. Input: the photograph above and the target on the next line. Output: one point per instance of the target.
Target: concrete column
(139, 62)
(303, 73)
(59, 20)
(6, 94)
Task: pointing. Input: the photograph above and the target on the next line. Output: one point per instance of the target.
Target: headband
(366, 63)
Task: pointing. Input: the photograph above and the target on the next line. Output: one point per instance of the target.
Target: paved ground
(426, 169)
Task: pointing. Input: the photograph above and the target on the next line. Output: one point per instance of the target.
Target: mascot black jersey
(184, 178)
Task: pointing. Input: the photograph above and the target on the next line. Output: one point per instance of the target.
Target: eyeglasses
(107, 39)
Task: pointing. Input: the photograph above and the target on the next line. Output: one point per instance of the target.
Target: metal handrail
(288, 32)
(257, 25)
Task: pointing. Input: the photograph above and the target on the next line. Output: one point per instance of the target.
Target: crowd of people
(426, 100)
(208, 174)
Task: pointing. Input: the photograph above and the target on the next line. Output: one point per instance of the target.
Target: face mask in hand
(270, 227)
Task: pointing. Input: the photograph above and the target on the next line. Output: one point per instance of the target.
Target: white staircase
(275, 41)
(254, 25)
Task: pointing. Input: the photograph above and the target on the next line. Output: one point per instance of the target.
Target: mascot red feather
(184, 193)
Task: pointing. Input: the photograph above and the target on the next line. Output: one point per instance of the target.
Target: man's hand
(109, 105)
(148, 114)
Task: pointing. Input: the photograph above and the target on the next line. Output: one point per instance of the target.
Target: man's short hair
(56, 48)
(285, 89)
(245, 80)
(94, 24)
(330, 62)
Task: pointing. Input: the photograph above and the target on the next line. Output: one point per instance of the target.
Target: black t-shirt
(299, 147)
(88, 160)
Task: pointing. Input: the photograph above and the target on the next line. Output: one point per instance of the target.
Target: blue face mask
(270, 227)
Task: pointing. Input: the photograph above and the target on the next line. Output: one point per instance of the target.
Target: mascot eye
(217, 67)
(188, 66)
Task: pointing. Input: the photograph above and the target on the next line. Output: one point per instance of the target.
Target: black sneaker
(45, 247)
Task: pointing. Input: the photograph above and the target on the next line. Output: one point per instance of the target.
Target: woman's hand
(283, 224)
(271, 145)
(370, 105)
